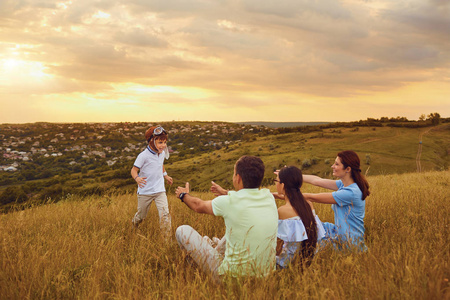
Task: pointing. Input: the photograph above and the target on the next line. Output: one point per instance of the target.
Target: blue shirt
(349, 212)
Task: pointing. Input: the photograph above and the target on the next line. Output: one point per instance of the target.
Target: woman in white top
(299, 228)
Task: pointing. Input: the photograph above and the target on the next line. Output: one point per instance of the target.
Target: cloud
(139, 37)
(237, 52)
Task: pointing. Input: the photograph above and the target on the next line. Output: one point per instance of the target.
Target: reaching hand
(278, 171)
(217, 190)
(180, 189)
(278, 196)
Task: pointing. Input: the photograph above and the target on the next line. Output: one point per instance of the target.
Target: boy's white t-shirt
(150, 165)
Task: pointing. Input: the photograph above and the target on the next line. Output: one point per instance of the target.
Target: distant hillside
(50, 162)
(382, 150)
(283, 124)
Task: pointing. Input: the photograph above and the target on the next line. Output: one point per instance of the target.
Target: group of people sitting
(259, 237)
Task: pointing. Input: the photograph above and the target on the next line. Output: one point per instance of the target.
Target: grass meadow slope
(382, 150)
(85, 248)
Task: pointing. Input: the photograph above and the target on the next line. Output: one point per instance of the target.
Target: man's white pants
(200, 249)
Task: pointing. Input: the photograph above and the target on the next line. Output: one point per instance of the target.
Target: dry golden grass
(87, 249)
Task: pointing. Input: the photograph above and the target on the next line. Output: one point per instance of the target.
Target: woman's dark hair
(350, 159)
(292, 178)
(251, 169)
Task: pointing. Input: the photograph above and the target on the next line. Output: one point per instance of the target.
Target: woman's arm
(278, 196)
(325, 198)
(317, 181)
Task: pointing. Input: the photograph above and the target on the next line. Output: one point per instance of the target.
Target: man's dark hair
(251, 170)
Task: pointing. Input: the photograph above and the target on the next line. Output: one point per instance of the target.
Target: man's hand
(169, 179)
(180, 189)
(217, 190)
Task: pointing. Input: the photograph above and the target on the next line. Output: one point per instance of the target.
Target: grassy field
(86, 249)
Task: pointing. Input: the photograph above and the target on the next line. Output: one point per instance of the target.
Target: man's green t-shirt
(251, 221)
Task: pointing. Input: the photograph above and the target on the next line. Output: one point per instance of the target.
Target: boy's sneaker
(135, 226)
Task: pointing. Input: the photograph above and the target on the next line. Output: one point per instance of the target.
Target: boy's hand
(180, 189)
(141, 181)
(169, 179)
(217, 190)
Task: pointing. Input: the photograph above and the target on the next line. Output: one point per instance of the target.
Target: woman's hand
(278, 196)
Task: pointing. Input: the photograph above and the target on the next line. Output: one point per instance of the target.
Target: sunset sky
(224, 60)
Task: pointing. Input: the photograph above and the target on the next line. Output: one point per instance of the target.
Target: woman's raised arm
(324, 198)
(317, 181)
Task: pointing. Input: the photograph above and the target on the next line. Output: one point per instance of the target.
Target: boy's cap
(151, 130)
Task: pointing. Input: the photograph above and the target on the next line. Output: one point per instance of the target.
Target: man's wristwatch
(181, 196)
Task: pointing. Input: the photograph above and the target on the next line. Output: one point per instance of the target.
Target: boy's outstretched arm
(167, 177)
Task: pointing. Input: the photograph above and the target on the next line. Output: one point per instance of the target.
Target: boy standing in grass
(149, 173)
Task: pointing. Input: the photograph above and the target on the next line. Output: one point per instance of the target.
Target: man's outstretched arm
(194, 203)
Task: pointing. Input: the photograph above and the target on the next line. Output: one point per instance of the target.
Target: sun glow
(16, 69)
(10, 64)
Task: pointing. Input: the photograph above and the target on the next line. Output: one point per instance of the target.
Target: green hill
(382, 150)
(283, 124)
(205, 151)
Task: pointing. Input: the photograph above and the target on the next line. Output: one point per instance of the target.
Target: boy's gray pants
(144, 202)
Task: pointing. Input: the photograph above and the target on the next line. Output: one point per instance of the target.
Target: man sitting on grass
(251, 222)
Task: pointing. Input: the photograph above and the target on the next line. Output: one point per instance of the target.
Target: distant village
(109, 142)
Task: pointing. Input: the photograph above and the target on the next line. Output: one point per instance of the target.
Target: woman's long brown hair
(350, 159)
(293, 180)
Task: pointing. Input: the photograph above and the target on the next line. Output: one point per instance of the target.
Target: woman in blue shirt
(348, 199)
